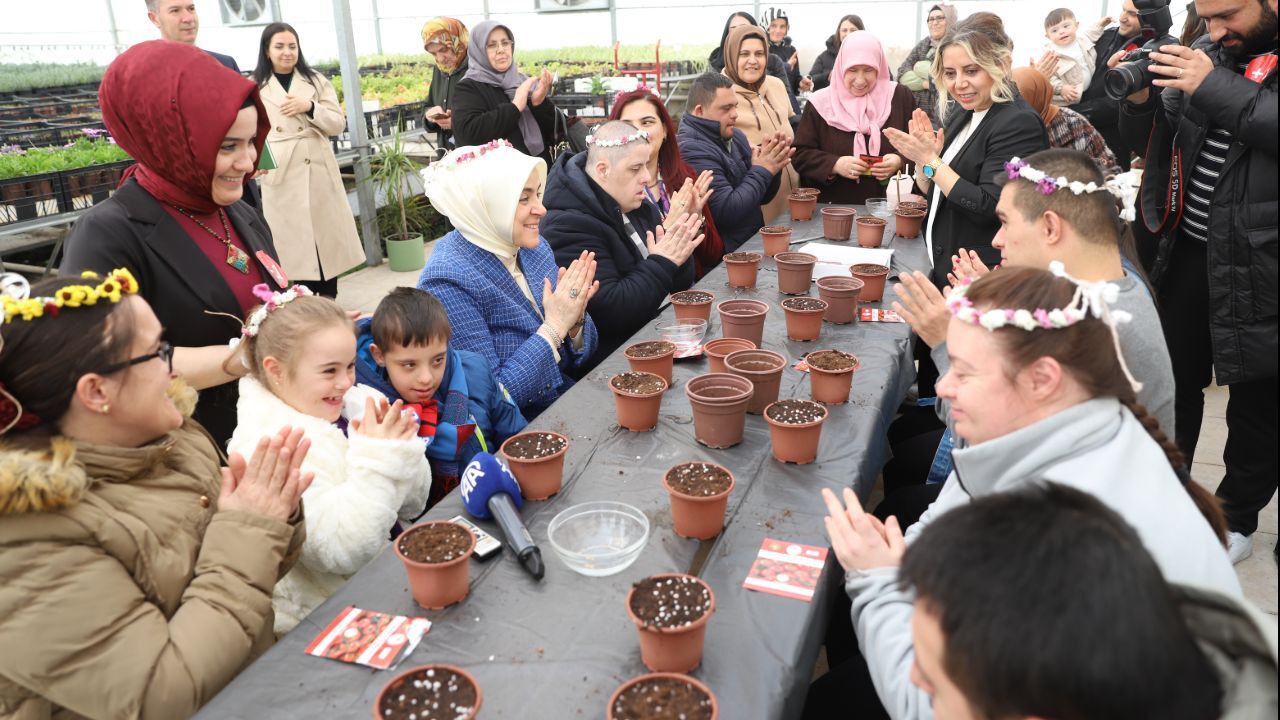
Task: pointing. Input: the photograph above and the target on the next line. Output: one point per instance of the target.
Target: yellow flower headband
(17, 305)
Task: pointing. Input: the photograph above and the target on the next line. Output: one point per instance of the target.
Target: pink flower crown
(271, 301)
(620, 142)
(480, 151)
(1124, 187)
(621, 93)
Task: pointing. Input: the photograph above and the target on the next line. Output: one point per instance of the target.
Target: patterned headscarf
(448, 32)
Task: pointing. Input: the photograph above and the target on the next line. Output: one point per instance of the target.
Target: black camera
(1134, 72)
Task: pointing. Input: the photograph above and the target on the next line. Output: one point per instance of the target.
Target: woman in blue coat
(498, 279)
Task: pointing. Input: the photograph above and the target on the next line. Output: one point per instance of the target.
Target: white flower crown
(271, 301)
(625, 140)
(1124, 186)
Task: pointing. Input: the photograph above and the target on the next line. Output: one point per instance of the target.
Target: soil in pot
(435, 561)
(670, 612)
(699, 495)
(831, 375)
(697, 479)
(662, 697)
(653, 356)
(795, 428)
(804, 317)
(873, 277)
(870, 232)
(796, 412)
(436, 692)
(777, 239)
(795, 272)
(742, 267)
(537, 461)
(435, 543)
(650, 349)
(909, 221)
(638, 399)
(692, 305)
(832, 360)
(837, 223)
(637, 383)
(802, 206)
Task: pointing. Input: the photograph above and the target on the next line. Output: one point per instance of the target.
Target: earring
(106, 408)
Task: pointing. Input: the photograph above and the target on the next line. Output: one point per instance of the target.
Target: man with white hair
(177, 21)
(595, 202)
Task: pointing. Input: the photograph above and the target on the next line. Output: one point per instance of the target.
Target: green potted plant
(392, 172)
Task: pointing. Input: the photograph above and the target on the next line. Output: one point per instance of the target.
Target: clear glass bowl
(686, 335)
(599, 538)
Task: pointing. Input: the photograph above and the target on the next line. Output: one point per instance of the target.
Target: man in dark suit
(1102, 111)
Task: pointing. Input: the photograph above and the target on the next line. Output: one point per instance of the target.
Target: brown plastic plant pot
(679, 649)
(613, 699)
(870, 232)
(437, 585)
(873, 277)
(640, 359)
(831, 386)
(394, 687)
(692, 309)
(795, 272)
(717, 349)
(795, 443)
(541, 477)
(764, 369)
(802, 206)
(697, 516)
(743, 268)
(841, 295)
(638, 412)
(719, 401)
(909, 221)
(804, 324)
(777, 238)
(743, 318)
(837, 223)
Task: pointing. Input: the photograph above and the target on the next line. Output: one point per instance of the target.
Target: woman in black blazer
(178, 222)
(957, 167)
(495, 101)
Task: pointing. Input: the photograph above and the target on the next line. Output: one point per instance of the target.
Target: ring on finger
(1180, 71)
(573, 293)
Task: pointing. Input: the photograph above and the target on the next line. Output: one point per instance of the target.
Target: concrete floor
(363, 289)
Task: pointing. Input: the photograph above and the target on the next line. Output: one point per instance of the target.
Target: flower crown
(622, 93)
(620, 142)
(271, 301)
(1124, 186)
(460, 158)
(1091, 298)
(17, 303)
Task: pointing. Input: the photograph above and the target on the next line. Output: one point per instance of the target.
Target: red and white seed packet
(870, 314)
(373, 639)
(787, 569)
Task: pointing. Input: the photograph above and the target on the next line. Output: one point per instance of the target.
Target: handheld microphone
(490, 491)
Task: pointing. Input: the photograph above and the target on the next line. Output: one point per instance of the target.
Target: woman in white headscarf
(498, 279)
(495, 101)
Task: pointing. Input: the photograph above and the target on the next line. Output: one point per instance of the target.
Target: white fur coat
(362, 486)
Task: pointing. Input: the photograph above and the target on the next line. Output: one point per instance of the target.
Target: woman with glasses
(135, 575)
(177, 222)
(916, 72)
(495, 101)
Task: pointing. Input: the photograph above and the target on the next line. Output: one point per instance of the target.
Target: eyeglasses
(164, 352)
(500, 45)
(937, 18)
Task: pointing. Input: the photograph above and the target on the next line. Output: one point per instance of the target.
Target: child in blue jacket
(403, 351)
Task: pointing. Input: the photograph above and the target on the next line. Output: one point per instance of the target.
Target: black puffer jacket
(821, 70)
(784, 50)
(1243, 215)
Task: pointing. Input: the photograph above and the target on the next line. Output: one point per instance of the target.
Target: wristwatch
(931, 167)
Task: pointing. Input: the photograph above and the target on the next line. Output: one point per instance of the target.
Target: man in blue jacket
(595, 201)
(744, 177)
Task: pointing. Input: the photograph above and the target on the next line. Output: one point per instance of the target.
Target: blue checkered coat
(492, 317)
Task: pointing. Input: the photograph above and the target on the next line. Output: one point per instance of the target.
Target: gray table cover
(558, 648)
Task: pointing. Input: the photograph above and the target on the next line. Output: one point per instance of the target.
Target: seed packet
(788, 569)
(373, 639)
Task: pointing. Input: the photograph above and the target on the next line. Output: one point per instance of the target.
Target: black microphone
(490, 491)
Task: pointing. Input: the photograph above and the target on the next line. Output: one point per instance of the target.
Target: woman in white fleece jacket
(370, 465)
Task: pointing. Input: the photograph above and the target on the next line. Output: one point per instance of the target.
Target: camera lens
(1125, 80)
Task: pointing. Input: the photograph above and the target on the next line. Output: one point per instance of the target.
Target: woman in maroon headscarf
(177, 222)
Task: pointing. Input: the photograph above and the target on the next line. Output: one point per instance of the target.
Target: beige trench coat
(765, 113)
(303, 198)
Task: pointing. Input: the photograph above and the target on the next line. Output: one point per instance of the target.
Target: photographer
(1209, 196)
(1101, 111)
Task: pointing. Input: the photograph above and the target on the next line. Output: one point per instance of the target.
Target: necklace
(236, 257)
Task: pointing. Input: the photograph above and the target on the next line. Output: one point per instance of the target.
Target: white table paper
(836, 259)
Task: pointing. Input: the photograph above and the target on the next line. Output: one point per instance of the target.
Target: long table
(559, 647)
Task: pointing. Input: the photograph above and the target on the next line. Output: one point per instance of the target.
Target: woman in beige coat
(135, 575)
(303, 198)
(763, 106)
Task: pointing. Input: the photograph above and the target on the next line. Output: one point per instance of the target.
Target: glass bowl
(686, 335)
(599, 538)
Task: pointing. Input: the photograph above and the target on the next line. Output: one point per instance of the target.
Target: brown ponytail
(1085, 349)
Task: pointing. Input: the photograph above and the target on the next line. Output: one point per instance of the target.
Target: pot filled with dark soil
(795, 426)
(804, 317)
(536, 458)
(802, 206)
(831, 375)
(435, 558)
(652, 356)
(429, 692)
(743, 318)
(841, 294)
(742, 267)
(764, 369)
(870, 232)
(699, 496)
(692, 305)
(719, 402)
(670, 612)
(777, 238)
(837, 223)
(638, 398)
(719, 348)
(795, 272)
(873, 277)
(909, 220)
(663, 696)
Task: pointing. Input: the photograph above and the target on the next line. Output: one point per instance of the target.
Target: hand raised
(270, 483)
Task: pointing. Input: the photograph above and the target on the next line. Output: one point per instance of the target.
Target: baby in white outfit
(1075, 53)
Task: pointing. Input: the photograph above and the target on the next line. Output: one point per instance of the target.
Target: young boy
(1075, 52)
(403, 351)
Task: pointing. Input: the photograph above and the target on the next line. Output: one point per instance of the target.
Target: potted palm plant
(393, 173)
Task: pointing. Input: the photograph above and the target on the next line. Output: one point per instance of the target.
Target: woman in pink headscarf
(840, 144)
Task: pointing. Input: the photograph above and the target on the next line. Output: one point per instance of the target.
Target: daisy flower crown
(18, 305)
(1090, 298)
(624, 140)
(1124, 186)
(271, 301)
